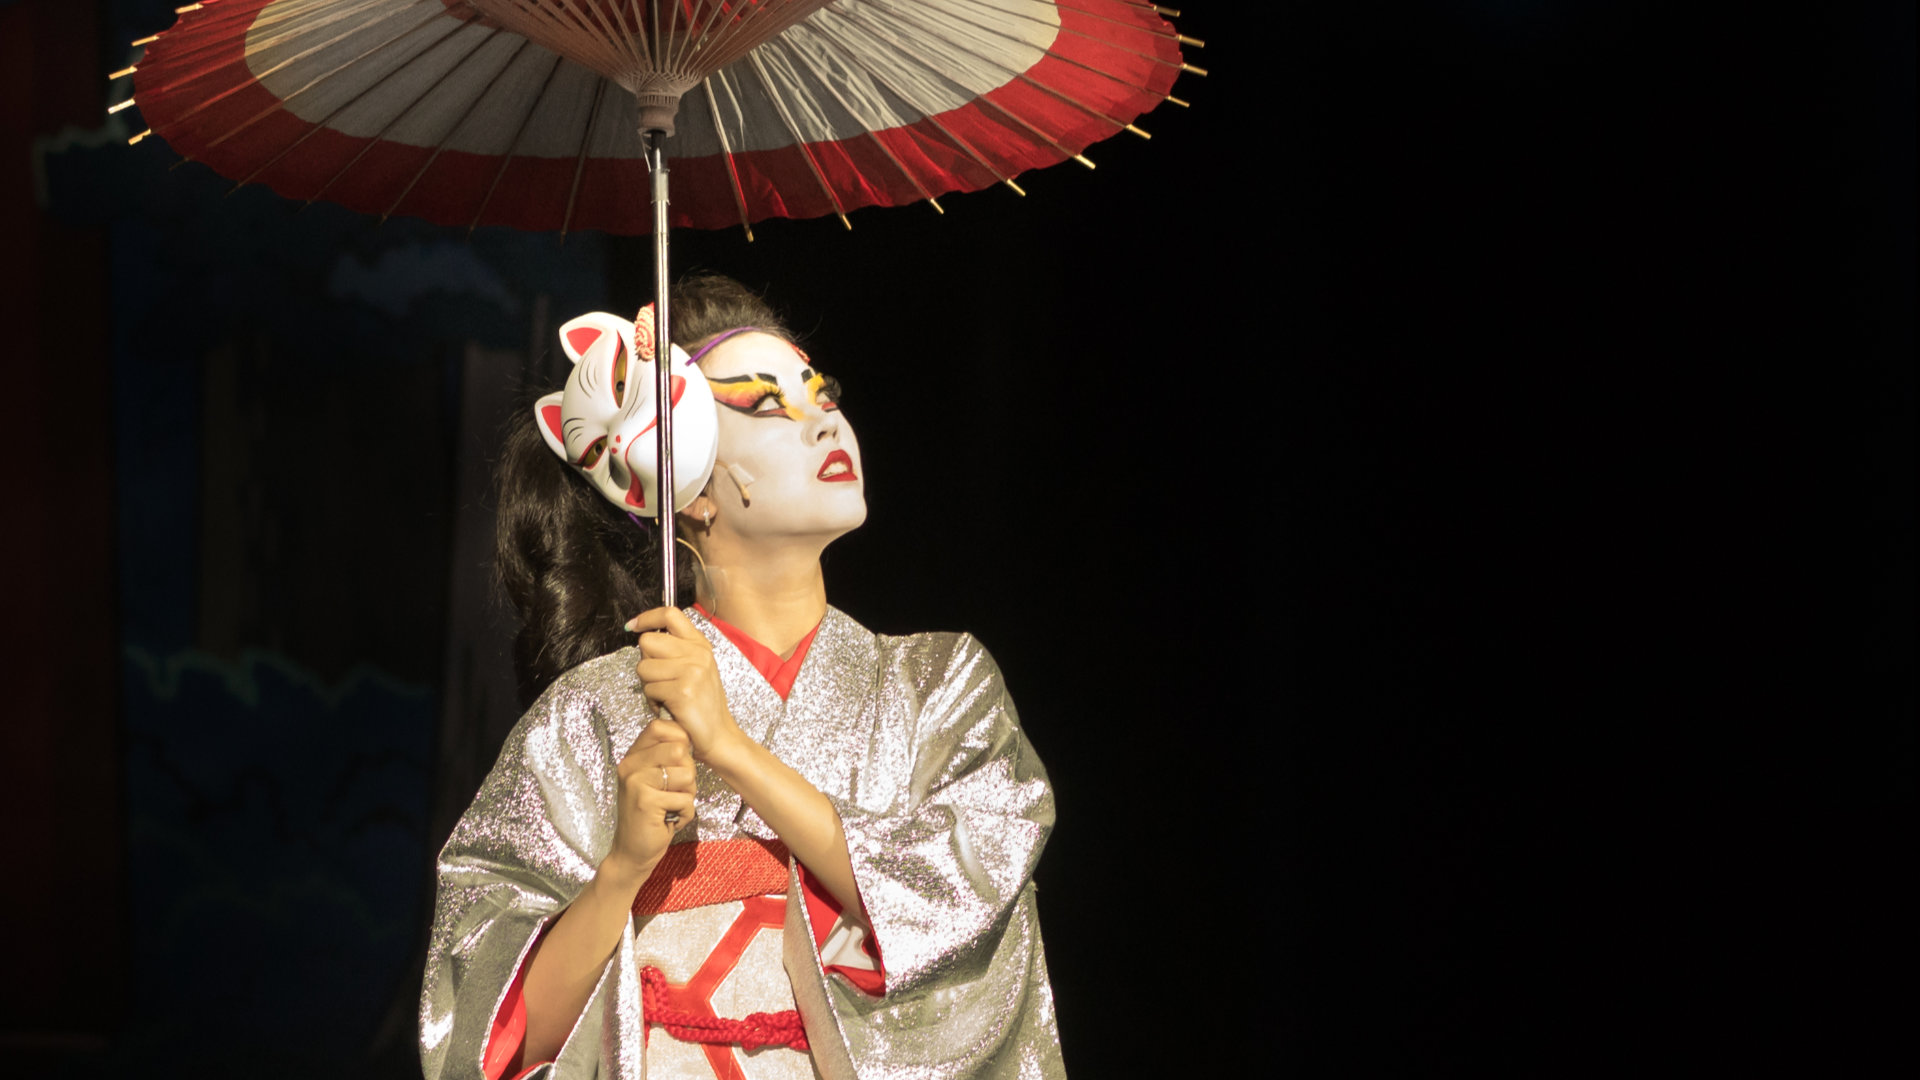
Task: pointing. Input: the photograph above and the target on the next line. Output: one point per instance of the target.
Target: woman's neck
(775, 598)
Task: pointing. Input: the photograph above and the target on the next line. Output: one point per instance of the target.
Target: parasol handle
(662, 366)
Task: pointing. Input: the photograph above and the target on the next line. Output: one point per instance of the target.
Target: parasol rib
(1115, 46)
(1169, 34)
(451, 128)
(799, 143)
(611, 37)
(927, 112)
(580, 163)
(410, 106)
(868, 125)
(726, 152)
(298, 23)
(532, 107)
(432, 15)
(322, 126)
(310, 84)
(626, 32)
(1003, 35)
(1013, 73)
(547, 27)
(988, 102)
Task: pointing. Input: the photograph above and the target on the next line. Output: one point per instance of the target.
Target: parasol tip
(844, 221)
(1017, 189)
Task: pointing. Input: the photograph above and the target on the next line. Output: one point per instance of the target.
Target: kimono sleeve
(945, 876)
(527, 846)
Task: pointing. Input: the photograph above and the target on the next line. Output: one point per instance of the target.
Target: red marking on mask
(635, 496)
(581, 338)
(679, 388)
(550, 416)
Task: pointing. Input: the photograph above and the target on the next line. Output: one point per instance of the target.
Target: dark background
(1443, 505)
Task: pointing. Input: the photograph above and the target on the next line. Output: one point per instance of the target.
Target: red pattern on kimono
(692, 875)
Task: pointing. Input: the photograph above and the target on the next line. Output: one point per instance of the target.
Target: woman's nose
(823, 427)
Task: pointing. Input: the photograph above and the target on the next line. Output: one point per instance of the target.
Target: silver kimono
(945, 807)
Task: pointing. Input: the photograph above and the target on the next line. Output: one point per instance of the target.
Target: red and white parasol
(525, 112)
(560, 114)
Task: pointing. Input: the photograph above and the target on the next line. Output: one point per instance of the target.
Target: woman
(818, 861)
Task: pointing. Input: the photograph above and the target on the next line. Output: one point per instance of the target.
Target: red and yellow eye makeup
(748, 393)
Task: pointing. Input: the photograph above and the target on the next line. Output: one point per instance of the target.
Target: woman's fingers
(655, 805)
(661, 742)
(663, 671)
(670, 803)
(672, 620)
(673, 778)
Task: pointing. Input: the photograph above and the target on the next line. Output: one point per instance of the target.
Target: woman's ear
(702, 509)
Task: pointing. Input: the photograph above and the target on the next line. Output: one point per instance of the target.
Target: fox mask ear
(594, 334)
(546, 416)
(579, 335)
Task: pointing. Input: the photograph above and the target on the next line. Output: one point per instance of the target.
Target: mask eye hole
(620, 373)
(592, 456)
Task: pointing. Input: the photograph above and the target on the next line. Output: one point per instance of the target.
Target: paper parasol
(558, 114)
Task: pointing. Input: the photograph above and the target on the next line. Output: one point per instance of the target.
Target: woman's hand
(656, 779)
(678, 671)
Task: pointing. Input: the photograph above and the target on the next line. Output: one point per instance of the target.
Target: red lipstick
(838, 457)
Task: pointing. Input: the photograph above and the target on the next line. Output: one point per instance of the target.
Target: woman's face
(781, 425)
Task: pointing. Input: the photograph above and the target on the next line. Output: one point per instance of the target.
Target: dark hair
(575, 566)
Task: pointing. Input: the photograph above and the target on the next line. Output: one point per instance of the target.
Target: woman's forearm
(794, 808)
(567, 962)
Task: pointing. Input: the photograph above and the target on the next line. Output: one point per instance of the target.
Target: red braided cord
(755, 1031)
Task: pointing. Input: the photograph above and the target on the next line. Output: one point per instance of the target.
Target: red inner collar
(778, 673)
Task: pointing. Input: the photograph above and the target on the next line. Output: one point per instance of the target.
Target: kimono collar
(778, 673)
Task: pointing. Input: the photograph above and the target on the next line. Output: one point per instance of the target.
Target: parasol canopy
(526, 113)
(557, 114)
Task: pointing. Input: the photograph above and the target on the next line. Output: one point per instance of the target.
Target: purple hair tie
(708, 347)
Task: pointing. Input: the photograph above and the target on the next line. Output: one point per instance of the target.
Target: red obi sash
(715, 872)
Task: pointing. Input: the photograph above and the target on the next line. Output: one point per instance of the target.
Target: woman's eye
(770, 405)
(620, 374)
(828, 396)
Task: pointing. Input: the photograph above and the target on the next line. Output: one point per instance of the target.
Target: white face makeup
(602, 423)
(780, 427)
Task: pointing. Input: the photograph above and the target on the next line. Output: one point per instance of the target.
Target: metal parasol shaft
(662, 365)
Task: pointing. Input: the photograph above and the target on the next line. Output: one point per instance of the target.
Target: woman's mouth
(836, 468)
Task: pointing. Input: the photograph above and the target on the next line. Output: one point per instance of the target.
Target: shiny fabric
(945, 808)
